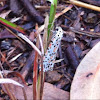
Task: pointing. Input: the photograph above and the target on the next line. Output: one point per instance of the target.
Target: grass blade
(12, 25)
(52, 16)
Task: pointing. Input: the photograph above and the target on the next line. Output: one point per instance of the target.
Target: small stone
(53, 76)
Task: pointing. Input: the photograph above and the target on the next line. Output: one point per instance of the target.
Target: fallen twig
(28, 66)
(48, 7)
(85, 5)
(31, 10)
(91, 34)
(72, 58)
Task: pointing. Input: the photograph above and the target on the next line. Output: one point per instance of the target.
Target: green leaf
(11, 25)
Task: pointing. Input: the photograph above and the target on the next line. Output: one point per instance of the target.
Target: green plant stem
(52, 16)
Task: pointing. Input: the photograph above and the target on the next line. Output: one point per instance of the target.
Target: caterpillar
(50, 55)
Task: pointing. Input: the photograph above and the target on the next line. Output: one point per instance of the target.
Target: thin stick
(41, 44)
(45, 33)
(48, 7)
(63, 11)
(42, 78)
(5, 60)
(85, 5)
(35, 77)
(91, 34)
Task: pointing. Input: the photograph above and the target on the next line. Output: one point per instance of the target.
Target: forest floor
(81, 32)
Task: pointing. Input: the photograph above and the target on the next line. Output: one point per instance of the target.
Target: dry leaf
(3, 15)
(28, 41)
(18, 92)
(50, 92)
(10, 81)
(86, 82)
(15, 19)
(53, 93)
(14, 58)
